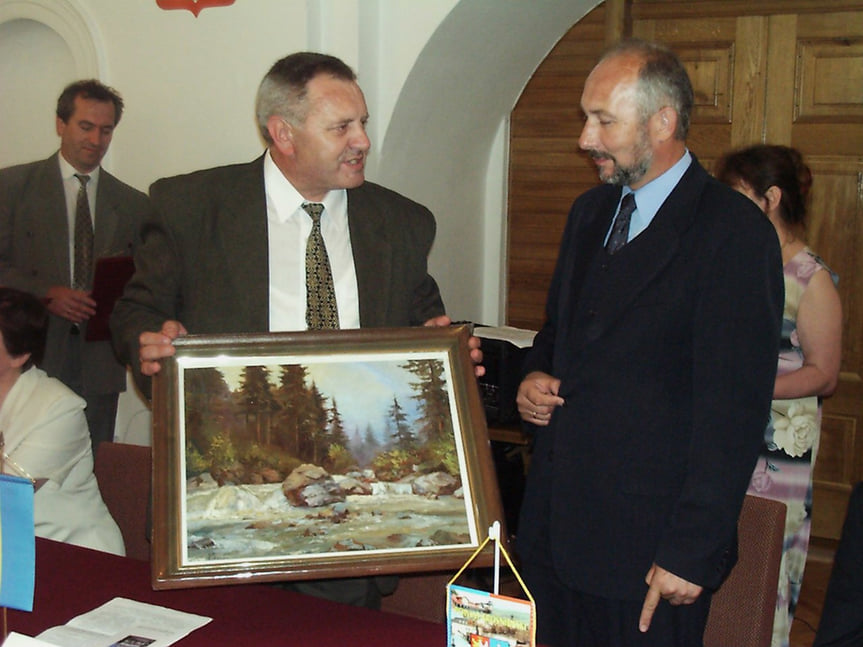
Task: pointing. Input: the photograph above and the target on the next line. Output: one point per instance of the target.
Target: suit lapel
(633, 269)
(53, 221)
(636, 266)
(587, 240)
(372, 254)
(241, 226)
(106, 215)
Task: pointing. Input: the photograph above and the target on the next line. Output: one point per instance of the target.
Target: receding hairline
(659, 74)
(283, 91)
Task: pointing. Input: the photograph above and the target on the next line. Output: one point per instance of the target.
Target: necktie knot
(620, 231)
(314, 209)
(83, 179)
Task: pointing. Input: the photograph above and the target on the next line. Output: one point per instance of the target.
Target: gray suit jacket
(34, 254)
(204, 259)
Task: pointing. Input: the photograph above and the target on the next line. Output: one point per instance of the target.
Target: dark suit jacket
(34, 254)
(205, 260)
(667, 356)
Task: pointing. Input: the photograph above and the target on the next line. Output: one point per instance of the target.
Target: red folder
(109, 278)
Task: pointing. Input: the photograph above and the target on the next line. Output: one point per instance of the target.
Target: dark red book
(109, 278)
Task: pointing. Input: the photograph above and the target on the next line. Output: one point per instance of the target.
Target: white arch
(70, 22)
(476, 64)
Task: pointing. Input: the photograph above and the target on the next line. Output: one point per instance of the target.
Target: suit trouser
(101, 408)
(567, 617)
(101, 415)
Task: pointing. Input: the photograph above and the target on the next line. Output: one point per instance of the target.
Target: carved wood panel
(787, 72)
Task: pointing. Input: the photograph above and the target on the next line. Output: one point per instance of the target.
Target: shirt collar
(67, 171)
(650, 197)
(286, 200)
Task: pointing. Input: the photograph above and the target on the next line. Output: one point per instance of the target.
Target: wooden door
(785, 72)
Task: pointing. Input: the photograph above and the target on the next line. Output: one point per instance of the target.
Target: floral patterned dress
(784, 468)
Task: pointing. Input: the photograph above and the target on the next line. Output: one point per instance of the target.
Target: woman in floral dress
(777, 180)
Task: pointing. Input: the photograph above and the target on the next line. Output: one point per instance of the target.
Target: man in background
(650, 383)
(57, 218)
(226, 250)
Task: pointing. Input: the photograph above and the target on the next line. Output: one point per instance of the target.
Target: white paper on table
(519, 337)
(125, 623)
(15, 639)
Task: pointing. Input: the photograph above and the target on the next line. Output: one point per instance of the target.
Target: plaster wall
(440, 78)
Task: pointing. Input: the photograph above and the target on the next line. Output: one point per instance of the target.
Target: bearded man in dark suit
(225, 250)
(38, 204)
(650, 383)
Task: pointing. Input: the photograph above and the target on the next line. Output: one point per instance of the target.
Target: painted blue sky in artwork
(363, 388)
(364, 391)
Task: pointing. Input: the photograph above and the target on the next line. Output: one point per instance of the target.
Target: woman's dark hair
(24, 325)
(761, 166)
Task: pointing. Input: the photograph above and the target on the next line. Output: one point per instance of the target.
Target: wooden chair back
(742, 610)
(124, 473)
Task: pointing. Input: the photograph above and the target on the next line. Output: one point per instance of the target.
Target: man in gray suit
(225, 250)
(38, 203)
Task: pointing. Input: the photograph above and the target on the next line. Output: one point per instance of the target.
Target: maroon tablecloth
(72, 580)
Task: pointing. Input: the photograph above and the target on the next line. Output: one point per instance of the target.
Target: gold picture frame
(312, 455)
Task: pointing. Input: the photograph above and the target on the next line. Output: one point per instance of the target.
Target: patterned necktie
(620, 231)
(83, 237)
(321, 309)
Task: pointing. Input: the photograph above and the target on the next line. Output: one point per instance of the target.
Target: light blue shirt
(649, 198)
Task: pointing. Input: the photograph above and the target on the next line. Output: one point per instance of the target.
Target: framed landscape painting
(288, 456)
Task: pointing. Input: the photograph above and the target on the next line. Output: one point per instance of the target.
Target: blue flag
(17, 543)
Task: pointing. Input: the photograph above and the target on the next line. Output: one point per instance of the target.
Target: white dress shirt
(71, 184)
(288, 227)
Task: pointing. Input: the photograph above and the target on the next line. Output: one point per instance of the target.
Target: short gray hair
(662, 81)
(283, 90)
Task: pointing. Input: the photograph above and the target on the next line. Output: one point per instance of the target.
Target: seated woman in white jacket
(46, 435)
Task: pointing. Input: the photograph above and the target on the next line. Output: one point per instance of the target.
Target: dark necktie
(620, 230)
(321, 309)
(83, 237)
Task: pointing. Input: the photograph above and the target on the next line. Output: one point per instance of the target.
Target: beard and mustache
(627, 175)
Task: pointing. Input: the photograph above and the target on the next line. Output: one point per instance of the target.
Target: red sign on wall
(195, 6)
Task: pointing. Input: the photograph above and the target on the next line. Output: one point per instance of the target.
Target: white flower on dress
(795, 340)
(794, 517)
(796, 433)
(795, 565)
